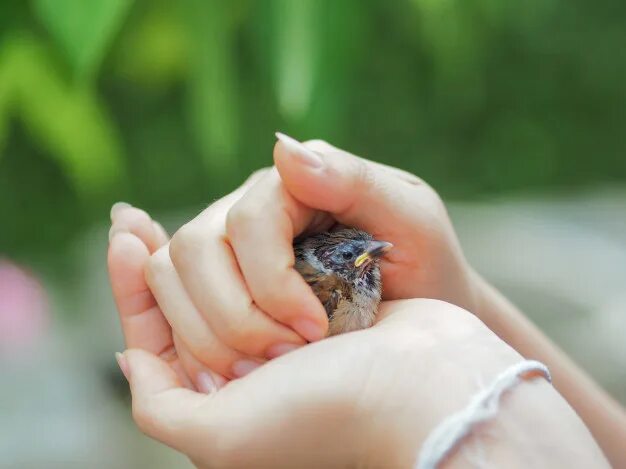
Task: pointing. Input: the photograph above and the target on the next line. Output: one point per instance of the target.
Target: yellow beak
(374, 249)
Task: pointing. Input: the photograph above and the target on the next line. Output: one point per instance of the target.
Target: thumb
(162, 408)
(355, 191)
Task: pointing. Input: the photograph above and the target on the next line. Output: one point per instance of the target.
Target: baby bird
(342, 269)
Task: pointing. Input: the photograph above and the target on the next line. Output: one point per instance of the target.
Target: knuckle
(186, 239)
(430, 203)
(409, 178)
(238, 217)
(364, 174)
(256, 175)
(432, 196)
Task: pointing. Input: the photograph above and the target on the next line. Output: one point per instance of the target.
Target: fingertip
(310, 176)
(117, 207)
(127, 250)
(293, 151)
(311, 322)
(137, 221)
(309, 329)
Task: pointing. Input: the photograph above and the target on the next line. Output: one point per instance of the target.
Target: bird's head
(349, 253)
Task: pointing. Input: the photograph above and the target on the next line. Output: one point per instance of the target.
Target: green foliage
(298, 38)
(212, 83)
(69, 122)
(82, 29)
(169, 104)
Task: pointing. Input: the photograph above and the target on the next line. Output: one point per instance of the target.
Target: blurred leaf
(298, 36)
(6, 94)
(454, 35)
(69, 122)
(212, 86)
(475, 96)
(153, 50)
(82, 28)
(338, 55)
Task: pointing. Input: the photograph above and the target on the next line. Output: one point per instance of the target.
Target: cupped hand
(226, 281)
(364, 398)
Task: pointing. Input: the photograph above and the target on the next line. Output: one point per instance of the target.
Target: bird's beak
(374, 250)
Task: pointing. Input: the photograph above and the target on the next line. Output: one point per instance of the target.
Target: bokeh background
(515, 111)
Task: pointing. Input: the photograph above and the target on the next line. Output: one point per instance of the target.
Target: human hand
(370, 398)
(226, 282)
(367, 398)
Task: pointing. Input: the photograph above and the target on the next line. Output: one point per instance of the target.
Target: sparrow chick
(342, 269)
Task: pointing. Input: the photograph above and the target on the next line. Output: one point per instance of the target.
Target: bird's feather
(326, 287)
(350, 297)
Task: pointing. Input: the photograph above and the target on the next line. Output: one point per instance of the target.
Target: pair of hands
(221, 298)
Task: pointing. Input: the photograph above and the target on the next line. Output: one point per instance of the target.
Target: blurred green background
(169, 104)
(514, 111)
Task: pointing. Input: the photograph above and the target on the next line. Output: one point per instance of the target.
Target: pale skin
(228, 300)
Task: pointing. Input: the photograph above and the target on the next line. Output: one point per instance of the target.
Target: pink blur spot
(24, 310)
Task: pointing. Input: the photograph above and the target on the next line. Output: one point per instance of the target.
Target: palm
(290, 402)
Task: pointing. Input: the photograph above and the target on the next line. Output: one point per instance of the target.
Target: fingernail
(123, 364)
(280, 349)
(242, 367)
(308, 329)
(206, 383)
(298, 150)
(117, 207)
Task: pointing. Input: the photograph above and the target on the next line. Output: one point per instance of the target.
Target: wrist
(437, 364)
(510, 439)
(484, 297)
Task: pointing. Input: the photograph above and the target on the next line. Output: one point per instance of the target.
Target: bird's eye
(348, 255)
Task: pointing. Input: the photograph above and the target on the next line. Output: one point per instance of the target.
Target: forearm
(605, 418)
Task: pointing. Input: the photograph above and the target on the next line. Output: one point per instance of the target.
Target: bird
(342, 268)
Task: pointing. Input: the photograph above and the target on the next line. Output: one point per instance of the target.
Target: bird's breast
(353, 314)
(349, 307)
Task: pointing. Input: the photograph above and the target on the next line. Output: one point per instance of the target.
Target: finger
(261, 227)
(162, 409)
(188, 323)
(358, 193)
(209, 271)
(204, 379)
(126, 218)
(320, 146)
(143, 324)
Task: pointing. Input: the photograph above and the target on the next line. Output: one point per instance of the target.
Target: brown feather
(350, 302)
